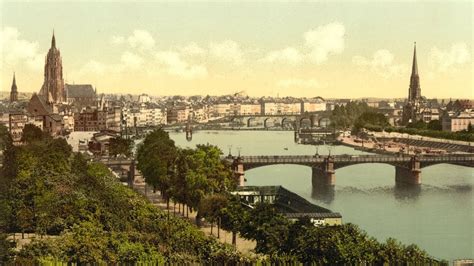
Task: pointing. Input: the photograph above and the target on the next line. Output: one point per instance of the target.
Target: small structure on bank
(288, 203)
(100, 142)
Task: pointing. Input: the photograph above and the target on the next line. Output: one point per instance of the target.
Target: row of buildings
(60, 108)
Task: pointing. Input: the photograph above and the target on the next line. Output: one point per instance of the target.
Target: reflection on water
(406, 191)
(323, 193)
(437, 216)
(401, 192)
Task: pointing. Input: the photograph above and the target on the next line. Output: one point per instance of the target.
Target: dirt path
(243, 245)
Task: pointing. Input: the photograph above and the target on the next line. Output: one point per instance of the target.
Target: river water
(438, 217)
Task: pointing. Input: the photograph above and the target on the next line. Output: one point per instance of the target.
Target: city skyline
(279, 49)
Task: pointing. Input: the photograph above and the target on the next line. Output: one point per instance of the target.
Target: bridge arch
(286, 120)
(324, 122)
(237, 121)
(305, 119)
(266, 122)
(249, 121)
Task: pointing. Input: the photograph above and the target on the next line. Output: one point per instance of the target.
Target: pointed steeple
(14, 90)
(414, 91)
(414, 67)
(53, 41)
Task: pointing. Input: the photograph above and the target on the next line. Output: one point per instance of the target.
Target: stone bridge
(306, 120)
(407, 168)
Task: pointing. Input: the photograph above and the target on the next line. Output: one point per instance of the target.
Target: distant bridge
(407, 168)
(309, 120)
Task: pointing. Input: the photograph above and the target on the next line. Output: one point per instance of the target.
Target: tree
(233, 216)
(434, 125)
(208, 174)
(120, 146)
(370, 119)
(266, 226)
(156, 157)
(420, 124)
(31, 133)
(210, 208)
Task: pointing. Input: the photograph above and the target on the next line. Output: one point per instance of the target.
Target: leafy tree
(120, 146)
(420, 124)
(31, 133)
(370, 119)
(233, 216)
(156, 157)
(211, 206)
(434, 125)
(267, 227)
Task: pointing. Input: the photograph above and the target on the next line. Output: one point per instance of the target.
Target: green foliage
(5, 137)
(370, 119)
(184, 175)
(345, 116)
(266, 226)
(87, 216)
(302, 242)
(6, 251)
(420, 124)
(435, 125)
(120, 146)
(31, 133)
(211, 206)
(156, 157)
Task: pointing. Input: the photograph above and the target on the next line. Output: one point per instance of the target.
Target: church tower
(53, 86)
(414, 92)
(14, 91)
(413, 107)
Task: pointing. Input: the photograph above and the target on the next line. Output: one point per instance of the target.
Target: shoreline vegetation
(83, 214)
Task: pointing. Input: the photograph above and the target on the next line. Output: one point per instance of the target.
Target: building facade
(457, 121)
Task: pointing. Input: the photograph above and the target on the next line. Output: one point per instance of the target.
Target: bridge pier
(410, 174)
(239, 171)
(324, 175)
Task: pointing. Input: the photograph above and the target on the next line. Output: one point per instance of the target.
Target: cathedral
(412, 109)
(53, 86)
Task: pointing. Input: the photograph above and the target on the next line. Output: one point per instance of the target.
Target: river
(438, 216)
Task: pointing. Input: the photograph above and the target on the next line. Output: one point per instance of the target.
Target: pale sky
(330, 49)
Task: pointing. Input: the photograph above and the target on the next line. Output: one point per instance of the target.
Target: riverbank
(386, 144)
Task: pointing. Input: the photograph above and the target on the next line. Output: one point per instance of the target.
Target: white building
(457, 121)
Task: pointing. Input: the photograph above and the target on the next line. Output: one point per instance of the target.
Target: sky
(332, 49)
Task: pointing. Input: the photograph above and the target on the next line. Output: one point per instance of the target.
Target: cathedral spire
(14, 90)
(53, 41)
(14, 82)
(414, 91)
(414, 68)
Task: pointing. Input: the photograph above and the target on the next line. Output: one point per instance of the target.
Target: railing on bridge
(352, 158)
